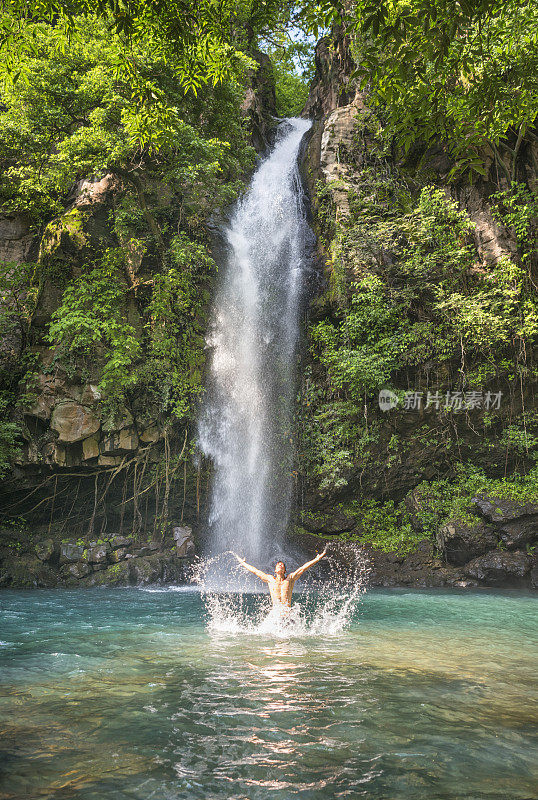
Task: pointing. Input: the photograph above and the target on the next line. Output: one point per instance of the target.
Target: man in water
(280, 584)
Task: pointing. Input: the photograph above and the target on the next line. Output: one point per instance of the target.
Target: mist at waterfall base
(245, 425)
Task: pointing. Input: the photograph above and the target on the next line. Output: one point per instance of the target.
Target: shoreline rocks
(496, 547)
(116, 561)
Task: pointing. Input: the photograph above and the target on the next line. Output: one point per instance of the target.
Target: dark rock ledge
(497, 549)
(114, 561)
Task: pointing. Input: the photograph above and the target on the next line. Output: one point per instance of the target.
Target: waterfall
(245, 426)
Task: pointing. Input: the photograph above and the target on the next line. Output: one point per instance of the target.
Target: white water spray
(245, 425)
(322, 606)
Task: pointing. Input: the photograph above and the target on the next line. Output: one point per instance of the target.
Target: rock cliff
(95, 488)
(365, 457)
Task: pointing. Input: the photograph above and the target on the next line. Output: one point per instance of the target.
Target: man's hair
(280, 562)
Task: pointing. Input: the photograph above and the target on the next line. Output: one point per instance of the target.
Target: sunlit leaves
(460, 72)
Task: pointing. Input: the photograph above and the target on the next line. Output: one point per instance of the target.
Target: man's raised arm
(298, 572)
(252, 569)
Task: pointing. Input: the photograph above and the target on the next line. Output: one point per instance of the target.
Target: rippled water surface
(125, 694)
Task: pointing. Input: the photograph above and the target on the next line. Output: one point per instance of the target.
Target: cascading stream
(245, 424)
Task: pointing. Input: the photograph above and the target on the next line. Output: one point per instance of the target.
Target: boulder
(460, 543)
(45, 549)
(176, 570)
(148, 569)
(120, 442)
(119, 541)
(26, 572)
(499, 567)
(184, 541)
(70, 552)
(73, 422)
(519, 532)
(16, 237)
(90, 448)
(147, 548)
(113, 575)
(97, 554)
(495, 510)
(115, 556)
(150, 435)
(78, 570)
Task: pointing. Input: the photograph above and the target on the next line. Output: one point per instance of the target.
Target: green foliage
(91, 322)
(18, 296)
(385, 526)
(69, 116)
(9, 434)
(517, 208)
(203, 41)
(432, 266)
(175, 355)
(410, 306)
(388, 526)
(439, 501)
(293, 71)
(463, 73)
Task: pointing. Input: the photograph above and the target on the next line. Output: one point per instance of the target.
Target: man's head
(280, 569)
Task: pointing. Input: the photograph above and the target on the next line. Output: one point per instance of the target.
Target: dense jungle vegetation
(150, 94)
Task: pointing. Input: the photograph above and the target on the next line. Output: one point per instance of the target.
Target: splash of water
(245, 424)
(324, 606)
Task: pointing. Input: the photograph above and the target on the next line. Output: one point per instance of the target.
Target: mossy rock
(114, 575)
(27, 572)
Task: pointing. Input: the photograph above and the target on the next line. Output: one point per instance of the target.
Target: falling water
(245, 425)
